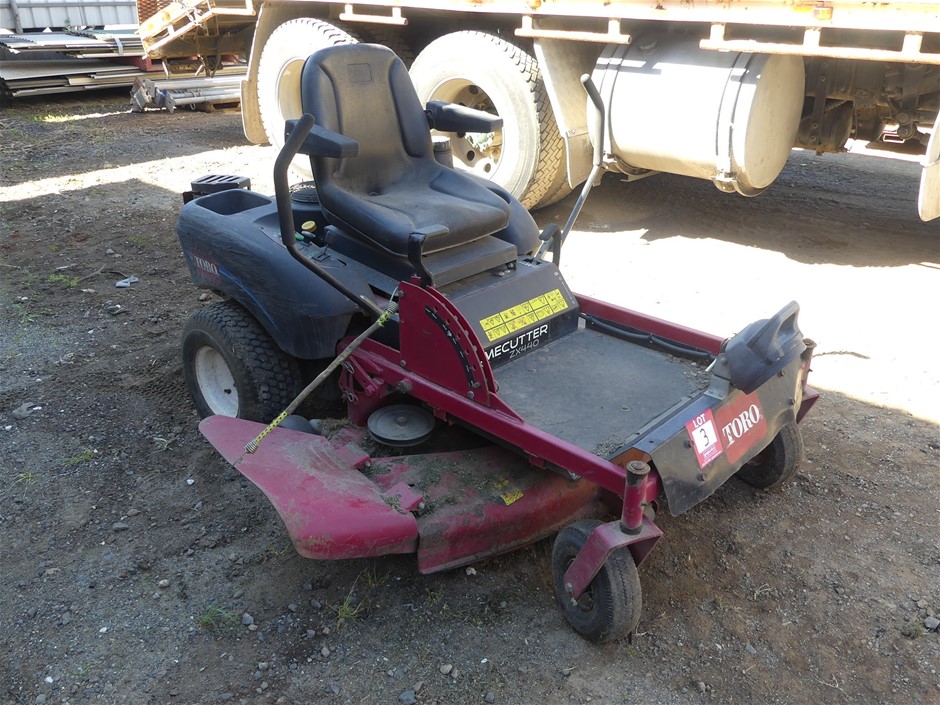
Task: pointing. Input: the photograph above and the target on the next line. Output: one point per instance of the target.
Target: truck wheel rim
(288, 97)
(478, 152)
(216, 383)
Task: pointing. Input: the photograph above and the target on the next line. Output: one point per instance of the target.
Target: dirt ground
(131, 554)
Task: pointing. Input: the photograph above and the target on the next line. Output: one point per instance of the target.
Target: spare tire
(282, 60)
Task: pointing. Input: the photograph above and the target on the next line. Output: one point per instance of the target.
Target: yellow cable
(392, 309)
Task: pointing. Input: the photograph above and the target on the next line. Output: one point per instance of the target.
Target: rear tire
(282, 60)
(778, 463)
(232, 367)
(610, 608)
(527, 157)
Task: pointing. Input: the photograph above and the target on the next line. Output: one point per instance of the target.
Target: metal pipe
(197, 99)
(634, 496)
(185, 83)
(15, 10)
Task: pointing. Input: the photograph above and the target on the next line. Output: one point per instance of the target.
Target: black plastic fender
(232, 245)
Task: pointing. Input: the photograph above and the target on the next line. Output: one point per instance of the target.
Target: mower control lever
(285, 214)
(450, 117)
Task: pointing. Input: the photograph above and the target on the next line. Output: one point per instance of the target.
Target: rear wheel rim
(216, 383)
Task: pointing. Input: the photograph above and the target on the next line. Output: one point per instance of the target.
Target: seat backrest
(393, 194)
(363, 91)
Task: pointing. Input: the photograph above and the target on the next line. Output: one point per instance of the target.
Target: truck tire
(483, 71)
(232, 367)
(282, 60)
(392, 38)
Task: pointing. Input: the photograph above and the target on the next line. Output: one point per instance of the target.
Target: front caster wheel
(778, 463)
(610, 607)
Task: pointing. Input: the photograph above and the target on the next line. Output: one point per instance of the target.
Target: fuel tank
(730, 117)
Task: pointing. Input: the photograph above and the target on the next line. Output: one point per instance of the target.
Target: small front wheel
(610, 607)
(232, 367)
(778, 463)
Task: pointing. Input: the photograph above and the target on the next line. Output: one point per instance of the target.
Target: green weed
(163, 443)
(83, 457)
(25, 478)
(373, 579)
(217, 619)
(348, 609)
(433, 596)
(23, 312)
(68, 282)
(272, 552)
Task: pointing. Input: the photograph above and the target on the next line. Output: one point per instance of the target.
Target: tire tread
(779, 462)
(308, 32)
(276, 376)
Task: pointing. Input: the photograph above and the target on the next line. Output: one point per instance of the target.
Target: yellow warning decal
(523, 314)
(510, 495)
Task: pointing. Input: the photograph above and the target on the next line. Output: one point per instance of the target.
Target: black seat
(394, 187)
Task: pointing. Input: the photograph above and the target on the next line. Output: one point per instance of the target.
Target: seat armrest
(321, 142)
(416, 249)
(450, 117)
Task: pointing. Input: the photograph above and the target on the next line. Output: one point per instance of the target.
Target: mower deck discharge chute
(531, 410)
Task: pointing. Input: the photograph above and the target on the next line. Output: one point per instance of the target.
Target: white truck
(718, 90)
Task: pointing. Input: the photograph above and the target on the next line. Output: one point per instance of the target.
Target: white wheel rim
(475, 152)
(216, 383)
(288, 92)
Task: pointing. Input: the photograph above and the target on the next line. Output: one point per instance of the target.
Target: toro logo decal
(205, 266)
(741, 425)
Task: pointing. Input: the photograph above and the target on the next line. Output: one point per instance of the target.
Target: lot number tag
(704, 435)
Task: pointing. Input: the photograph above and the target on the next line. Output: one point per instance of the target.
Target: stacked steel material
(58, 62)
(170, 94)
(61, 62)
(83, 44)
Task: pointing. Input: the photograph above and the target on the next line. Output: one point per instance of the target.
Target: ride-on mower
(432, 293)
